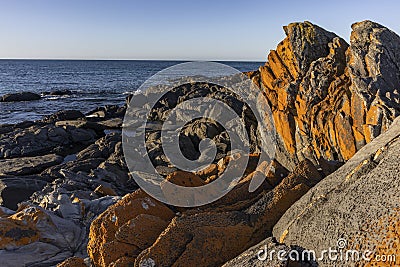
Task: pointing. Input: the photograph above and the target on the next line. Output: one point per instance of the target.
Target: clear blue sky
(191, 30)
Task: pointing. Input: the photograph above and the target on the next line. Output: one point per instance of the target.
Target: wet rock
(59, 92)
(64, 115)
(22, 96)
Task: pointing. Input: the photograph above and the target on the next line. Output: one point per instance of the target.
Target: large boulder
(34, 236)
(22, 96)
(359, 203)
(328, 99)
(40, 139)
(126, 228)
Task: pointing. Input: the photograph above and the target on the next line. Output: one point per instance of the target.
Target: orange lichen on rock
(16, 233)
(72, 262)
(110, 228)
(382, 238)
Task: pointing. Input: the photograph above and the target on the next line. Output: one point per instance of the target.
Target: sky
(171, 29)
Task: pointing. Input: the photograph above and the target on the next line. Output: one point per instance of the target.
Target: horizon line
(128, 59)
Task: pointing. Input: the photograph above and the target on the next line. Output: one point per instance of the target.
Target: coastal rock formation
(49, 200)
(359, 202)
(22, 96)
(193, 234)
(325, 109)
(68, 197)
(328, 98)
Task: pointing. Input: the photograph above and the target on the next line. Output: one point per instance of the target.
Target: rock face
(328, 98)
(359, 202)
(23, 96)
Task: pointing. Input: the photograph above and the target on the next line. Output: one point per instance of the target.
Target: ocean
(93, 83)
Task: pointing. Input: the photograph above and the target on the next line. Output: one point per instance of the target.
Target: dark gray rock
(64, 115)
(22, 96)
(59, 92)
(41, 139)
(374, 69)
(14, 190)
(28, 165)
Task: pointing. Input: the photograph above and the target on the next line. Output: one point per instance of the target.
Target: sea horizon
(88, 83)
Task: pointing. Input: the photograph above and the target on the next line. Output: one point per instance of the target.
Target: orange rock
(187, 179)
(105, 191)
(206, 239)
(374, 115)
(141, 231)
(184, 179)
(103, 247)
(212, 236)
(344, 135)
(72, 262)
(285, 127)
(123, 262)
(382, 237)
(211, 170)
(17, 233)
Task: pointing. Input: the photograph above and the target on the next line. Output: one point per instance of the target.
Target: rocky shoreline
(67, 197)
